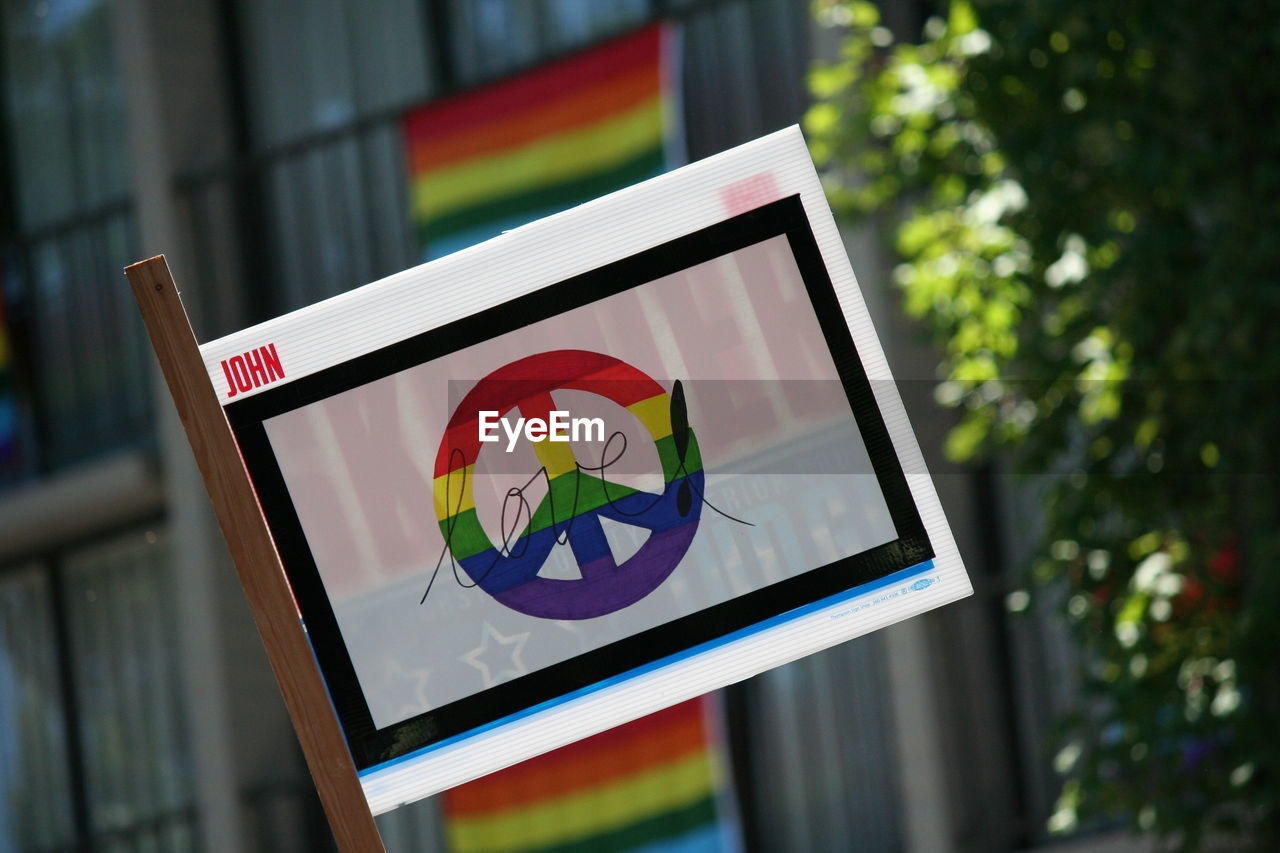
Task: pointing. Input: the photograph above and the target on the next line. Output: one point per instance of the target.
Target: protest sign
(594, 467)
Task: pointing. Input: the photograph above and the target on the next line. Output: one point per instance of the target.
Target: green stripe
(468, 536)
(671, 463)
(571, 494)
(644, 832)
(575, 493)
(561, 195)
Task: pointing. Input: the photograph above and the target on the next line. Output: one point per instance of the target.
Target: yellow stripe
(578, 816)
(455, 492)
(561, 157)
(655, 414)
(556, 456)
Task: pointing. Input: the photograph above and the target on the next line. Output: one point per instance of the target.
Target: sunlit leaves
(1082, 197)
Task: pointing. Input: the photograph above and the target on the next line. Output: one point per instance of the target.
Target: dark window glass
(78, 354)
(65, 121)
(120, 733)
(325, 63)
(124, 656)
(35, 787)
(493, 37)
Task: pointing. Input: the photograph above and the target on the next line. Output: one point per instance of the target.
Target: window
(97, 756)
(35, 784)
(329, 81)
(65, 108)
(494, 37)
(69, 231)
(815, 753)
(325, 63)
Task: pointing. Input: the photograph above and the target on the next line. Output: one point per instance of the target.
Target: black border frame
(371, 746)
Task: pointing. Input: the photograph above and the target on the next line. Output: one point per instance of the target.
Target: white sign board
(603, 463)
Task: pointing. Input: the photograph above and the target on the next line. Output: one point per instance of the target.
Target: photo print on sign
(576, 498)
(450, 582)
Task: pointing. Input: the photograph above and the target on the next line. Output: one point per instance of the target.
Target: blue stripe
(440, 246)
(781, 619)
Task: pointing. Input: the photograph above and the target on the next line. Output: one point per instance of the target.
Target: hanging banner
(660, 782)
(597, 466)
(493, 158)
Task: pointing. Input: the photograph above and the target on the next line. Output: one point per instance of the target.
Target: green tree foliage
(1085, 195)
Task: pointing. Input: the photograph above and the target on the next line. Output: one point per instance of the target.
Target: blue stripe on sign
(782, 619)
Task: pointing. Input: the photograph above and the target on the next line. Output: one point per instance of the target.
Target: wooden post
(254, 553)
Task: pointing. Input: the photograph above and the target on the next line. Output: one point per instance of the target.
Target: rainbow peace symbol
(577, 499)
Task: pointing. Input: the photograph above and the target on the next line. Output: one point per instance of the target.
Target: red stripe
(621, 383)
(584, 106)
(491, 104)
(531, 376)
(627, 750)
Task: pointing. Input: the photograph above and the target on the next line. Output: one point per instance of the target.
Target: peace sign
(577, 496)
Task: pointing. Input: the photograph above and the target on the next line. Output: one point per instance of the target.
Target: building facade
(258, 144)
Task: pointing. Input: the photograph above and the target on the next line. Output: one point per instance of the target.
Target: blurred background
(1074, 202)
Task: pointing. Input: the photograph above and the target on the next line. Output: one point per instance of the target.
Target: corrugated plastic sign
(587, 470)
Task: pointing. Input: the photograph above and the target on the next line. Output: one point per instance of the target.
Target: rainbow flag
(655, 784)
(491, 159)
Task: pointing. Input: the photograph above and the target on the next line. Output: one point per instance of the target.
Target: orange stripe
(479, 106)
(549, 777)
(576, 108)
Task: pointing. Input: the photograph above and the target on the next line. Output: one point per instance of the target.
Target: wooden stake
(255, 557)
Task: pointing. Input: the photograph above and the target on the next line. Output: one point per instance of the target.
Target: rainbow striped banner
(655, 784)
(485, 161)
